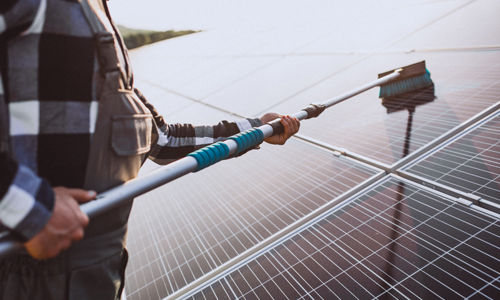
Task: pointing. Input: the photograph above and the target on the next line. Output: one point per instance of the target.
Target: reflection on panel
(210, 81)
(165, 102)
(178, 109)
(253, 94)
(455, 31)
(211, 57)
(365, 26)
(470, 164)
(466, 83)
(395, 241)
(187, 228)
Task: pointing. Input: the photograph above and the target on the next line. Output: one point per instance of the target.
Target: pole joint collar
(314, 110)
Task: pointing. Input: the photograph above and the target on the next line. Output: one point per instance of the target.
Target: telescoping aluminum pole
(196, 161)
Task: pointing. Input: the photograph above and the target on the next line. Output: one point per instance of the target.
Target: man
(71, 125)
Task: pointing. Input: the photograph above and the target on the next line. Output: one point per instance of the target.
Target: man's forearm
(178, 140)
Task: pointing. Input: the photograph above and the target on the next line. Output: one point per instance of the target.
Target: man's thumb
(82, 196)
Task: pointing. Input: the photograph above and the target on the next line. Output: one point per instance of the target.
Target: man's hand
(64, 227)
(290, 124)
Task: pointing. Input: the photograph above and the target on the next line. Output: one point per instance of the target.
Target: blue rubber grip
(210, 155)
(247, 139)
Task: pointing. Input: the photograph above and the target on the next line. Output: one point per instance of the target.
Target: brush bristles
(405, 85)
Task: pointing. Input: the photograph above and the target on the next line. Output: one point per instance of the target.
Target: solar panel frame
(148, 272)
(289, 278)
(462, 159)
(181, 249)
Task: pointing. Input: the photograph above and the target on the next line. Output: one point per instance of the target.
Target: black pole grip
(277, 126)
(314, 110)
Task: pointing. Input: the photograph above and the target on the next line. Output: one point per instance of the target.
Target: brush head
(413, 77)
(409, 101)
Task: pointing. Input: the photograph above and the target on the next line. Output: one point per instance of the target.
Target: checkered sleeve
(26, 201)
(178, 140)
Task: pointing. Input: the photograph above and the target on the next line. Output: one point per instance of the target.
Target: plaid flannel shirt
(48, 107)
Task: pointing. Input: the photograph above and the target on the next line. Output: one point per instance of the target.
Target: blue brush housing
(406, 85)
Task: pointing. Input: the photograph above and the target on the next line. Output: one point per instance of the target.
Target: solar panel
(254, 238)
(454, 32)
(470, 162)
(193, 225)
(276, 82)
(371, 26)
(465, 84)
(395, 240)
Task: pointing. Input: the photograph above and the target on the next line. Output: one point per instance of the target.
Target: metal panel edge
(345, 152)
(271, 241)
(489, 205)
(446, 192)
(445, 138)
(438, 186)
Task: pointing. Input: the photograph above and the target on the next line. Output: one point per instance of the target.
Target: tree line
(137, 38)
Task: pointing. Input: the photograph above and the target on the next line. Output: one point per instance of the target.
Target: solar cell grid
(396, 240)
(466, 83)
(195, 224)
(470, 163)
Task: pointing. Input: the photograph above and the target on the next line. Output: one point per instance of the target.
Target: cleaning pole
(210, 155)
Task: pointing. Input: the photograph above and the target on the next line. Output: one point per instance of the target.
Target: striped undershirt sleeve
(26, 201)
(178, 140)
(175, 141)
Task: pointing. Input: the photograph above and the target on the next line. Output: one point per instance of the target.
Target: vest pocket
(121, 141)
(131, 135)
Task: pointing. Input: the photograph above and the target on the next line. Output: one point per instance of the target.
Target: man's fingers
(77, 234)
(296, 125)
(291, 125)
(82, 196)
(286, 124)
(84, 219)
(65, 226)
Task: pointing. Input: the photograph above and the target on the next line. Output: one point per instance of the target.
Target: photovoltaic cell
(397, 240)
(465, 83)
(193, 225)
(394, 241)
(470, 163)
